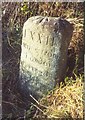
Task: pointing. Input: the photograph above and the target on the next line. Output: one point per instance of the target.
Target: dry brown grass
(64, 102)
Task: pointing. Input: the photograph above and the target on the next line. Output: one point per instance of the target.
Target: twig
(14, 106)
(38, 102)
(38, 108)
(34, 99)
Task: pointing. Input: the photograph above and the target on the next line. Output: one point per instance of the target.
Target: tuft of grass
(65, 101)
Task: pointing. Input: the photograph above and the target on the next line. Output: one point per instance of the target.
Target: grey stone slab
(44, 53)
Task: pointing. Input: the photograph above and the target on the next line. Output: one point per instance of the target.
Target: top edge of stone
(49, 21)
(39, 19)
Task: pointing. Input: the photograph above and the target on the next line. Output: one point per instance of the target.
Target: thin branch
(38, 102)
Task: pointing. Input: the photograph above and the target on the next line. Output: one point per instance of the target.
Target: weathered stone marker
(44, 53)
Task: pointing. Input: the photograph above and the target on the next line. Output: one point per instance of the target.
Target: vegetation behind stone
(13, 17)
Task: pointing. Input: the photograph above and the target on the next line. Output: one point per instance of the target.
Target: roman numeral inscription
(44, 53)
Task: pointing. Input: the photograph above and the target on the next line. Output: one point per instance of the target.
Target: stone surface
(44, 53)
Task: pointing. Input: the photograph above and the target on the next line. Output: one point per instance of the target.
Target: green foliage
(24, 8)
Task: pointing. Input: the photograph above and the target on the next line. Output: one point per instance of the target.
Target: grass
(65, 102)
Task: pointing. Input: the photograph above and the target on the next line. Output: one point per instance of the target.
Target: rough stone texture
(44, 52)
